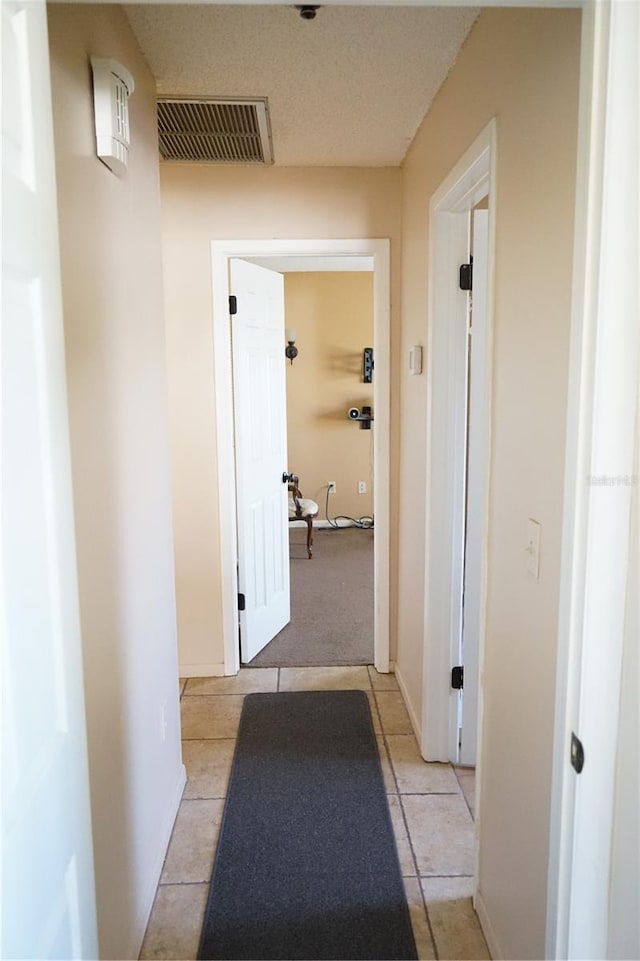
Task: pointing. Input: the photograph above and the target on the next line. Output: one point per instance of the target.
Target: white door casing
(472, 179)
(260, 416)
(48, 898)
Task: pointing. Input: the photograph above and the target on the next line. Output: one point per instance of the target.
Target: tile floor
(431, 808)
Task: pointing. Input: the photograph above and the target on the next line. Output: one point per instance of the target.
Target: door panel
(48, 901)
(476, 490)
(261, 454)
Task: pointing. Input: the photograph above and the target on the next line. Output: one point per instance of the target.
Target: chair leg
(309, 536)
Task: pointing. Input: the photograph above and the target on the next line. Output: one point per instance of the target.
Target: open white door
(48, 899)
(259, 392)
(476, 488)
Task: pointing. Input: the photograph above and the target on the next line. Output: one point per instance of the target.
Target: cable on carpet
(364, 523)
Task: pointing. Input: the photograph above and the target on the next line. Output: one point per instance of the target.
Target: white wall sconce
(291, 351)
(112, 87)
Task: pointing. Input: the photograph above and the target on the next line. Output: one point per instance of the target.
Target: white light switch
(415, 360)
(533, 547)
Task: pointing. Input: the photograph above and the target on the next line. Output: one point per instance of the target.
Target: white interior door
(593, 882)
(476, 488)
(259, 392)
(48, 900)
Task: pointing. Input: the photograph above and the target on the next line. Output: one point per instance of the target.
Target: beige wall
(520, 66)
(115, 351)
(332, 314)
(201, 204)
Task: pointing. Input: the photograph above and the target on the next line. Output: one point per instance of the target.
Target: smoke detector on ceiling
(307, 11)
(220, 130)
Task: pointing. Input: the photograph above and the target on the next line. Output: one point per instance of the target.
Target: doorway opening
(461, 226)
(328, 316)
(336, 255)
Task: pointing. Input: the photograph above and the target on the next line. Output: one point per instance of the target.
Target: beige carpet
(331, 602)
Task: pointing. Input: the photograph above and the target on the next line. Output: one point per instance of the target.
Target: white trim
(221, 252)
(292, 265)
(603, 385)
(142, 920)
(201, 670)
(477, 507)
(495, 950)
(413, 717)
(470, 180)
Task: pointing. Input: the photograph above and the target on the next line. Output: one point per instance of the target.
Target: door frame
(472, 179)
(474, 511)
(221, 253)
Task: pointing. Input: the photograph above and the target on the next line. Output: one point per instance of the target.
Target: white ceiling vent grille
(215, 131)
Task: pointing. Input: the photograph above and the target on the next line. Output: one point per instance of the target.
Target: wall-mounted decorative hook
(291, 351)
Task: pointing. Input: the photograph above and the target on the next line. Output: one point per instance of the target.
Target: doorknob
(287, 478)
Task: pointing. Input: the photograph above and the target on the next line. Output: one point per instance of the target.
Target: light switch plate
(415, 360)
(533, 547)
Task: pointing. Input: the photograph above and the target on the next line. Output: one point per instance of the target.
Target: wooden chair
(302, 509)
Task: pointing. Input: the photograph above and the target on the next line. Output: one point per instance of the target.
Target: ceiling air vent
(219, 131)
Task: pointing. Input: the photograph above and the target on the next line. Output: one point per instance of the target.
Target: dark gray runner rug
(306, 866)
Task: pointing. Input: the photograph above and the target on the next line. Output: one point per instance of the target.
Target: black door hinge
(466, 276)
(233, 304)
(241, 602)
(577, 753)
(367, 365)
(457, 677)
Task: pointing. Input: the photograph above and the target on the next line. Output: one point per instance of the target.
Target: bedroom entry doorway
(296, 257)
(329, 320)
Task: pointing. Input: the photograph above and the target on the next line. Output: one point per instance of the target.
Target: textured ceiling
(349, 88)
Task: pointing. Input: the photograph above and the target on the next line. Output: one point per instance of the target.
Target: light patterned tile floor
(431, 810)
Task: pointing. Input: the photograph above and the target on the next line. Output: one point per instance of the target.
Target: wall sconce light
(291, 351)
(112, 87)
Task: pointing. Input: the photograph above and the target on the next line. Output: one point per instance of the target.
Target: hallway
(431, 808)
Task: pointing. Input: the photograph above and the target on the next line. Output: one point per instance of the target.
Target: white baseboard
(141, 922)
(413, 717)
(487, 928)
(201, 670)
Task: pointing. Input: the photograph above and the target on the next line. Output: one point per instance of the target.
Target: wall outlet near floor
(332, 487)
(362, 487)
